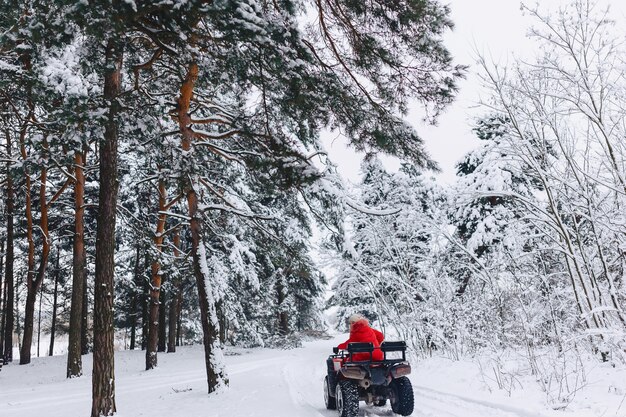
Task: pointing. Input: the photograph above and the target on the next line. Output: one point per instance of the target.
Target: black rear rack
(394, 347)
(360, 348)
(385, 347)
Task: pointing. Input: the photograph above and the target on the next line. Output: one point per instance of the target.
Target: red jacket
(361, 332)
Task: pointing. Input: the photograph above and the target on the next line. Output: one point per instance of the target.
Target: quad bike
(374, 382)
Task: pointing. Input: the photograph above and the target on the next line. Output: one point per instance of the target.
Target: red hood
(359, 327)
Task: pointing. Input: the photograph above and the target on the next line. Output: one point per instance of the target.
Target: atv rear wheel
(330, 401)
(347, 398)
(402, 401)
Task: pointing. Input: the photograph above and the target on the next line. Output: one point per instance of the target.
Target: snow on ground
(601, 393)
(280, 383)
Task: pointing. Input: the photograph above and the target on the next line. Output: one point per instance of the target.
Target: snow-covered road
(263, 383)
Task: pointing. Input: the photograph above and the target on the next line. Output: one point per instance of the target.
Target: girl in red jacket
(360, 331)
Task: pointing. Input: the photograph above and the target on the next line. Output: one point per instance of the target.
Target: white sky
(494, 28)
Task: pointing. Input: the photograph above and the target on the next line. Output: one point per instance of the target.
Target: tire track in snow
(464, 405)
(302, 394)
(431, 403)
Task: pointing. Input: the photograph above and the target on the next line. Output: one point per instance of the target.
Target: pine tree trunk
(208, 316)
(172, 321)
(103, 382)
(84, 322)
(283, 319)
(33, 284)
(179, 322)
(162, 321)
(133, 301)
(45, 251)
(3, 324)
(29, 319)
(2, 300)
(39, 321)
(176, 300)
(74, 359)
(53, 325)
(145, 315)
(8, 318)
(222, 316)
(29, 311)
(18, 328)
(208, 313)
(155, 287)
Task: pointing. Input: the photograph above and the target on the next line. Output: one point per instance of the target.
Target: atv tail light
(353, 372)
(401, 370)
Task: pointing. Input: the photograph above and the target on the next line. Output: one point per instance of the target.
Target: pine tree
(485, 209)
(386, 271)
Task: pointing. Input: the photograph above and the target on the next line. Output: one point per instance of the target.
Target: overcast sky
(494, 28)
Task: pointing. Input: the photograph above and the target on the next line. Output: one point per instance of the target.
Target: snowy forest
(165, 183)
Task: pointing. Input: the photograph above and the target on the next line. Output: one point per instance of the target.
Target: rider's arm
(344, 345)
(379, 336)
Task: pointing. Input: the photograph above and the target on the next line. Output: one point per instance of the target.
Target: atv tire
(329, 400)
(347, 398)
(402, 401)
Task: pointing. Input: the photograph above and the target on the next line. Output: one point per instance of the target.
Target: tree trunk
(145, 311)
(33, 283)
(172, 322)
(84, 321)
(74, 359)
(39, 320)
(2, 300)
(216, 375)
(176, 299)
(7, 354)
(221, 316)
(179, 322)
(43, 226)
(155, 287)
(133, 301)
(3, 324)
(103, 382)
(29, 318)
(18, 328)
(208, 314)
(30, 297)
(281, 297)
(53, 325)
(162, 321)
(45, 247)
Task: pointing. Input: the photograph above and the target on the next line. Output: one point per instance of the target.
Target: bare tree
(567, 113)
